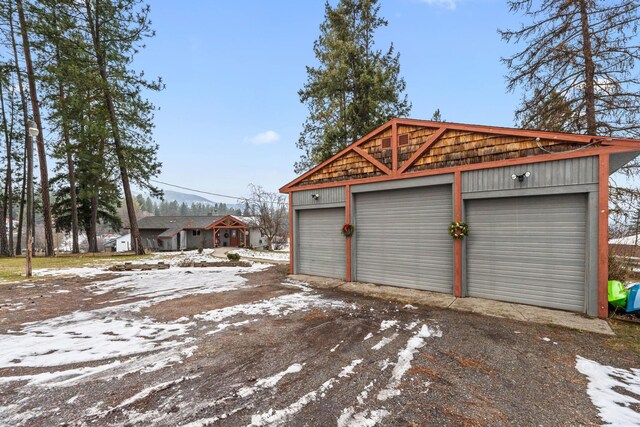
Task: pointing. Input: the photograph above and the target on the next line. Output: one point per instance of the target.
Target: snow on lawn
(605, 384)
(116, 332)
(270, 255)
(84, 337)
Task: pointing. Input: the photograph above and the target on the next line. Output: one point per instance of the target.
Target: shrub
(233, 257)
(200, 249)
(620, 268)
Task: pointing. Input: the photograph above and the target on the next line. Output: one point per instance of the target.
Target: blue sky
(230, 114)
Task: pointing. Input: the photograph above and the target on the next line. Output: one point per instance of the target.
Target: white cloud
(447, 4)
(266, 137)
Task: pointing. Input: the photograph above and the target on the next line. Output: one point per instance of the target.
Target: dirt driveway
(247, 346)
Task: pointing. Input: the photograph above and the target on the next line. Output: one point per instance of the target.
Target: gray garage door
(321, 246)
(528, 250)
(402, 238)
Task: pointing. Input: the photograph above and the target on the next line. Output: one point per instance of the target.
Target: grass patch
(627, 336)
(12, 269)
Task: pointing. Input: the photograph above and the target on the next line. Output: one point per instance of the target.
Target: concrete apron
(486, 307)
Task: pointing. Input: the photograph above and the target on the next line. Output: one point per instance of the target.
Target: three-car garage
(536, 220)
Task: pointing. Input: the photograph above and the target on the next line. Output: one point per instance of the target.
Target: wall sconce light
(521, 177)
(315, 196)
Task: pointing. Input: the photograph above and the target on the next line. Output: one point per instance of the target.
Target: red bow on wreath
(348, 230)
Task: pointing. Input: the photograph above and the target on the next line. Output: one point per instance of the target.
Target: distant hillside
(188, 199)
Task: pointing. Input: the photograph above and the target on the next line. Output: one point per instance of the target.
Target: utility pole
(33, 132)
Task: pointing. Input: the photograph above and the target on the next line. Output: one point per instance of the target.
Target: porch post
(244, 233)
(214, 237)
(457, 243)
(603, 235)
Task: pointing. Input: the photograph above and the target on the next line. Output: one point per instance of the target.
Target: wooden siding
(582, 170)
(375, 150)
(456, 148)
(433, 146)
(417, 137)
(351, 165)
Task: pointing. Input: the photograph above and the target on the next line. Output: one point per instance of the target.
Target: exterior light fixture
(315, 196)
(33, 129)
(521, 177)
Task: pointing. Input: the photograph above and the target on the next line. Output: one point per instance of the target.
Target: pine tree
(355, 88)
(581, 56)
(35, 109)
(116, 30)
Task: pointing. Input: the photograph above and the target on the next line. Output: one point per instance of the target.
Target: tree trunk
(136, 240)
(5, 248)
(42, 153)
(93, 225)
(25, 116)
(589, 71)
(75, 248)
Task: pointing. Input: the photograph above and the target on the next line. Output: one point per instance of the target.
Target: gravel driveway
(247, 346)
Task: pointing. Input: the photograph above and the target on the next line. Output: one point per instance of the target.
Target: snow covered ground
(257, 353)
(613, 391)
(114, 342)
(266, 255)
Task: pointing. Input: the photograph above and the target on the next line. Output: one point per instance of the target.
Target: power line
(213, 194)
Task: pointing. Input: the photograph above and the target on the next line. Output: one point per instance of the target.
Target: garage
(513, 215)
(321, 245)
(528, 250)
(402, 238)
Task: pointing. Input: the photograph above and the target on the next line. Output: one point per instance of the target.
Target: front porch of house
(229, 232)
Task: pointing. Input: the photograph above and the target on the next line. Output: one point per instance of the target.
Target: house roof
(182, 222)
(172, 225)
(627, 240)
(403, 148)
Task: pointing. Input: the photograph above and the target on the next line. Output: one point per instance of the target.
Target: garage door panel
(321, 245)
(528, 250)
(402, 238)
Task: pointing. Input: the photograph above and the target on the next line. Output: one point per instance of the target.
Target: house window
(195, 232)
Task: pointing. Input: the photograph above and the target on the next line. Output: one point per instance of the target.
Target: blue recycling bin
(633, 299)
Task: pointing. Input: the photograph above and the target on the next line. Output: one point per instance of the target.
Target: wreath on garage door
(348, 230)
(458, 229)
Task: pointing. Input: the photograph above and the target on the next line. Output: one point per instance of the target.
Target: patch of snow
(277, 417)
(269, 382)
(384, 341)
(277, 306)
(366, 418)
(336, 347)
(73, 399)
(348, 370)
(84, 337)
(410, 307)
(61, 291)
(411, 326)
(77, 271)
(386, 324)
(384, 364)
(405, 356)
(614, 407)
(369, 335)
(269, 255)
(153, 389)
(364, 393)
(546, 339)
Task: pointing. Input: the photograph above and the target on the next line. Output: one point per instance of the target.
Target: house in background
(173, 233)
(625, 246)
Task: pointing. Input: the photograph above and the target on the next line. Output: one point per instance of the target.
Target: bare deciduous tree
(270, 214)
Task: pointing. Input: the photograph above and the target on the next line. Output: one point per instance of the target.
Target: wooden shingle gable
(417, 146)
